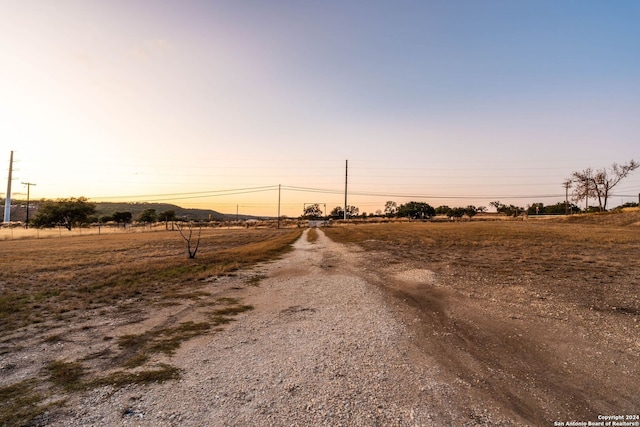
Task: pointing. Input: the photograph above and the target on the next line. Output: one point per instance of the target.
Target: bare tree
(583, 188)
(599, 183)
(188, 237)
(390, 208)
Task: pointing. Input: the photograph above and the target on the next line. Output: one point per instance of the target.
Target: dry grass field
(596, 267)
(541, 316)
(61, 296)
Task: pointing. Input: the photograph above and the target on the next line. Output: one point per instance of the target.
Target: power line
(419, 196)
(196, 194)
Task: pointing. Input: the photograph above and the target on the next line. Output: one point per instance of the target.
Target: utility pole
(279, 188)
(346, 174)
(566, 186)
(7, 202)
(29, 184)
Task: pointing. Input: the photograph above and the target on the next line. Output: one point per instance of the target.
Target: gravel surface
(373, 334)
(323, 346)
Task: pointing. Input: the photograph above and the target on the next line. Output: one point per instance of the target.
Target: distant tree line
(416, 210)
(423, 211)
(66, 213)
(78, 211)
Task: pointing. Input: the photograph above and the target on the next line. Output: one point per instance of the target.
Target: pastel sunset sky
(213, 104)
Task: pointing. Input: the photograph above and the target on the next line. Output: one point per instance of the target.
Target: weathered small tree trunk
(192, 249)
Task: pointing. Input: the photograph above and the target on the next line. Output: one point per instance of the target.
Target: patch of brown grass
(163, 373)
(312, 235)
(255, 280)
(67, 375)
(166, 340)
(70, 376)
(21, 404)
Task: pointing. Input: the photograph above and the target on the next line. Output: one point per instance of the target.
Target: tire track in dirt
(536, 369)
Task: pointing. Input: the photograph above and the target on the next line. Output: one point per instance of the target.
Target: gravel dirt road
(336, 337)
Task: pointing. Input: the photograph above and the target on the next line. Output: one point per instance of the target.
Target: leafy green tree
(390, 208)
(510, 210)
(443, 210)
(457, 213)
(64, 212)
(123, 218)
(536, 209)
(148, 216)
(471, 211)
(105, 219)
(558, 209)
(167, 216)
(337, 213)
(312, 211)
(417, 210)
(352, 211)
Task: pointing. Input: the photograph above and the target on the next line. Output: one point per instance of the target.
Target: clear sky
(448, 102)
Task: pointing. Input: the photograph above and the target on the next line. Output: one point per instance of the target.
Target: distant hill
(19, 209)
(137, 208)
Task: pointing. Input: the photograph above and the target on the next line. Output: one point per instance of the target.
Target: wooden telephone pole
(566, 186)
(28, 184)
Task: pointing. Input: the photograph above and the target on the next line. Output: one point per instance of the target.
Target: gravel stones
(321, 347)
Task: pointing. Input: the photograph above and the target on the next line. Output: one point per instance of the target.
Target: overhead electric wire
(210, 195)
(416, 196)
(250, 190)
(197, 194)
(630, 188)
